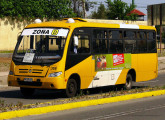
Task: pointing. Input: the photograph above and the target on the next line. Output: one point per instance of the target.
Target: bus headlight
(11, 73)
(56, 74)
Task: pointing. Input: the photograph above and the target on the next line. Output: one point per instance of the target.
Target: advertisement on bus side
(105, 62)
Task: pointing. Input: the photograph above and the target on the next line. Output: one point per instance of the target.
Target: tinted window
(150, 35)
(151, 42)
(115, 41)
(100, 42)
(141, 42)
(151, 46)
(130, 46)
(115, 34)
(141, 35)
(129, 34)
(129, 42)
(116, 46)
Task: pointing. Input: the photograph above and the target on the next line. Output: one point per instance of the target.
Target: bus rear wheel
(128, 84)
(27, 92)
(71, 88)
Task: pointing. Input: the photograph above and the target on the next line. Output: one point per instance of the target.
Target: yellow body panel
(85, 70)
(122, 77)
(147, 66)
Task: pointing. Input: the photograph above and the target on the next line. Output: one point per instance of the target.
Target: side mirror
(75, 41)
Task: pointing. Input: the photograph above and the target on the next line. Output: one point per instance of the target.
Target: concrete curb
(54, 108)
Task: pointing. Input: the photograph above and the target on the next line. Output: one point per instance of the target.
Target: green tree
(81, 6)
(101, 13)
(30, 9)
(6, 8)
(119, 10)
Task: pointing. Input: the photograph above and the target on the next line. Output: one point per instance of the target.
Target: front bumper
(37, 82)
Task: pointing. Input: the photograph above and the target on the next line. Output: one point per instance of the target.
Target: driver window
(82, 44)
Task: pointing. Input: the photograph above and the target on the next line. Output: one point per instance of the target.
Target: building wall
(154, 13)
(10, 30)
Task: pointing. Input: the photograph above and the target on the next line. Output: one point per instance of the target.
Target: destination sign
(46, 31)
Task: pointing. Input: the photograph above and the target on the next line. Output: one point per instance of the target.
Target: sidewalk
(4, 73)
(3, 79)
(161, 58)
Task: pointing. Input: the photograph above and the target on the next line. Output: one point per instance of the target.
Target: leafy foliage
(119, 10)
(30, 9)
(101, 13)
(78, 6)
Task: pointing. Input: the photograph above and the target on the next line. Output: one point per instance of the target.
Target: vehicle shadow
(57, 94)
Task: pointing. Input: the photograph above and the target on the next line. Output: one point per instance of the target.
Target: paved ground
(13, 94)
(151, 108)
(3, 79)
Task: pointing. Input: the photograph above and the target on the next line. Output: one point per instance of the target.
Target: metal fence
(162, 44)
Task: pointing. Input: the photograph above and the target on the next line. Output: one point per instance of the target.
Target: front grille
(38, 71)
(23, 70)
(30, 83)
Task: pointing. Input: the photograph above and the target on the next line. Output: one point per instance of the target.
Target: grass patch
(162, 54)
(10, 51)
(83, 96)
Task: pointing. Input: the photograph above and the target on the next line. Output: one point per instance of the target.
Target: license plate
(28, 79)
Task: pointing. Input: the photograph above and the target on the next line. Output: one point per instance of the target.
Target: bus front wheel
(71, 88)
(128, 84)
(27, 92)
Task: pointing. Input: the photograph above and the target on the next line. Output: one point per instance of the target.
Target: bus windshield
(40, 46)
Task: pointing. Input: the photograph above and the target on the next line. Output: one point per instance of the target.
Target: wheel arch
(133, 73)
(76, 77)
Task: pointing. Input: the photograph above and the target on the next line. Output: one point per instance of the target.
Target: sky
(141, 4)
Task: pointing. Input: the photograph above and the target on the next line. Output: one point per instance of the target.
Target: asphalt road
(151, 108)
(13, 95)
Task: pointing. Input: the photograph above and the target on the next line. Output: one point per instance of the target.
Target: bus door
(79, 56)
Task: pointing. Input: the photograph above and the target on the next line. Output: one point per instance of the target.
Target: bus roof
(78, 22)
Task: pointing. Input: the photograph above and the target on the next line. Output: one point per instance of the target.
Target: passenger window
(115, 41)
(116, 46)
(129, 35)
(141, 42)
(130, 46)
(115, 34)
(141, 35)
(100, 42)
(151, 42)
(130, 42)
(150, 35)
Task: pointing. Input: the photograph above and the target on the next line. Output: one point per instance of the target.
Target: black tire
(27, 92)
(128, 84)
(71, 89)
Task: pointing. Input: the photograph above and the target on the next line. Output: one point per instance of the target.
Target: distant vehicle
(74, 54)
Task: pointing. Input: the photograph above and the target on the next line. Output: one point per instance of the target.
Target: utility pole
(84, 13)
(160, 28)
